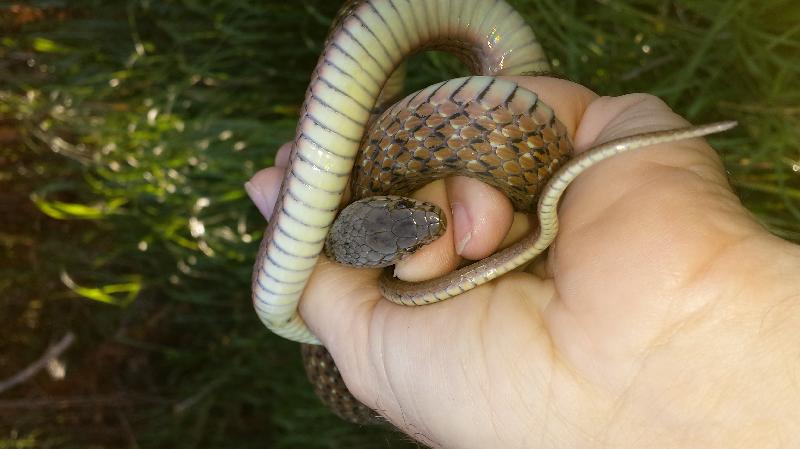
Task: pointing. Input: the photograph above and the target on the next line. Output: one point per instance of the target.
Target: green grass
(127, 127)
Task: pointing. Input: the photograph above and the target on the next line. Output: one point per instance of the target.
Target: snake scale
(481, 126)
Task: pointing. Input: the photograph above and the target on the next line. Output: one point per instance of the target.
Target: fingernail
(253, 193)
(462, 227)
(258, 198)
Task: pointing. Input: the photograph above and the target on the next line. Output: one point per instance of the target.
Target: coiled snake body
(481, 126)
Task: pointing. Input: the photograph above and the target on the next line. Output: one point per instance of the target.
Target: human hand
(664, 315)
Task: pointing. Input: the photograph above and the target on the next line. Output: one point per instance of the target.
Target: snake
(351, 142)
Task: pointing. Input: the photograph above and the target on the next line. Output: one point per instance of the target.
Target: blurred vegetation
(127, 129)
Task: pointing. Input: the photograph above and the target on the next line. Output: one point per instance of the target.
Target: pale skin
(664, 315)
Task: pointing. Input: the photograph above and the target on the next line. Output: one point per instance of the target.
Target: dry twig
(51, 353)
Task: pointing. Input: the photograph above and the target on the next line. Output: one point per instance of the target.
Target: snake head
(379, 231)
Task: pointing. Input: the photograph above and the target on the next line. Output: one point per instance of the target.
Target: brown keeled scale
(414, 143)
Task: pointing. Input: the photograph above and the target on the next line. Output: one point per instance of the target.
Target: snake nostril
(435, 229)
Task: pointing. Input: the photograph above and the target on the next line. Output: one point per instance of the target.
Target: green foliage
(135, 124)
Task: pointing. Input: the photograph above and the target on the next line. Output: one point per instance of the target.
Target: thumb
(639, 231)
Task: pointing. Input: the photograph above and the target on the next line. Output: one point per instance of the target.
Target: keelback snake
(481, 126)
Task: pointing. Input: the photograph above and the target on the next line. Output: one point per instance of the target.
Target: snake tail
(525, 250)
